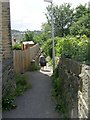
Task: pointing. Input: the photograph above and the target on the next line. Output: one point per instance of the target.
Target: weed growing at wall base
(21, 86)
(57, 93)
(8, 103)
(34, 66)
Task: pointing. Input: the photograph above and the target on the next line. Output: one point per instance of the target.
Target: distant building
(27, 44)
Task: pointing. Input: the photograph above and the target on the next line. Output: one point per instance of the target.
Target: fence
(22, 58)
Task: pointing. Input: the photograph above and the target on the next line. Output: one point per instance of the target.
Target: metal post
(52, 27)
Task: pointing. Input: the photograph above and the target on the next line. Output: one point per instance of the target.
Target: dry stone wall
(75, 80)
(84, 93)
(0, 61)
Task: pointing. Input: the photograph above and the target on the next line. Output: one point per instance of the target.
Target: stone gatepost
(6, 54)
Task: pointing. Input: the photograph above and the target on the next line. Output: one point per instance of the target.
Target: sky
(30, 14)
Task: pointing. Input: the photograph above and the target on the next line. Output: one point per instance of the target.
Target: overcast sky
(29, 14)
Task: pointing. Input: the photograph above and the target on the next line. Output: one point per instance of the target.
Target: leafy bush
(17, 47)
(72, 47)
(75, 48)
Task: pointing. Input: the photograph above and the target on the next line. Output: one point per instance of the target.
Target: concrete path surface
(36, 102)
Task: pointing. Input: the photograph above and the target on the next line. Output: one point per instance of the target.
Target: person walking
(42, 62)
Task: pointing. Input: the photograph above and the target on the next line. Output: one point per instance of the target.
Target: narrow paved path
(36, 102)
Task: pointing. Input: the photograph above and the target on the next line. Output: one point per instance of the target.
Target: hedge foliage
(76, 48)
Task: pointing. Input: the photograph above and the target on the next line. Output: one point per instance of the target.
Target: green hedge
(76, 48)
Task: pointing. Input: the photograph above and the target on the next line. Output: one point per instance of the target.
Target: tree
(38, 38)
(44, 35)
(79, 11)
(26, 37)
(81, 21)
(62, 18)
(46, 30)
(81, 26)
(31, 36)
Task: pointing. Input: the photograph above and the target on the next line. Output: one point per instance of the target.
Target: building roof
(28, 42)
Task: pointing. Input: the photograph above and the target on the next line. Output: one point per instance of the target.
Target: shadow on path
(46, 70)
(36, 102)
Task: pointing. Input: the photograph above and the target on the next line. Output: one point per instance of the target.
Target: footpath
(36, 102)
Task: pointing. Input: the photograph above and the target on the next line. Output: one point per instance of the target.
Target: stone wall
(75, 82)
(84, 92)
(5, 47)
(0, 62)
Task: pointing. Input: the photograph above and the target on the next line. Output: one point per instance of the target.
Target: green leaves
(62, 18)
(81, 21)
(8, 103)
(57, 93)
(21, 86)
(28, 36)
(17, 47)
(72, 47)
(68, 20)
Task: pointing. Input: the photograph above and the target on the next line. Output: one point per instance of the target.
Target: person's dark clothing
(42, 61)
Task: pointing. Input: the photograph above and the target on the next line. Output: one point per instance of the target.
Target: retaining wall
(75, 80)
